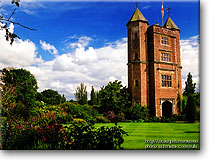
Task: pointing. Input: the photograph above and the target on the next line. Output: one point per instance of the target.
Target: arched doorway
(167, 109)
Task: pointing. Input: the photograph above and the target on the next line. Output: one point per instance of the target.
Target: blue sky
(77, 34)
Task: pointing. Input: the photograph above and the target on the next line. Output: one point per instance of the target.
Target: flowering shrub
(8, 100)
(53, 135)
(41, 126)
(110, 115)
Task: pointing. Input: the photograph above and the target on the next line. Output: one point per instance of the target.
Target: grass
(140, 132)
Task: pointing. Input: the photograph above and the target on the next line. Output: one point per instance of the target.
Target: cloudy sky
(87, 41)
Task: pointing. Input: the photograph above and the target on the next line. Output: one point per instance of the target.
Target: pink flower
(44, 138)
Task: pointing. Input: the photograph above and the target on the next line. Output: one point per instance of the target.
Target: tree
(114, 97)
(191, 109)
(24, 83)
(81, 94)
(189, 86)
(4, 24)
(93, 97)
(179, 103)
(50, 96)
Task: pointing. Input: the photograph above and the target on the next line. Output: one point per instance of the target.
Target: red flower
(44, 138)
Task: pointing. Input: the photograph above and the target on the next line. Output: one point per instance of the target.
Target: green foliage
(86, 112)
(87, 137)
(114, 97)
(102, 119)
(179, 103)
(189, 86)
(120, 117)
(8, 101)
(24, 82)
(78, 120)
(93, 97)
(184, 104)
(21, 110)
(197, 99)
(138, 112)
(47, 132)
(191, 110)
(112, 117)
(81, 94)
(51, 97)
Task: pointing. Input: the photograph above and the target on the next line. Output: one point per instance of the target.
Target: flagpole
(162, 10)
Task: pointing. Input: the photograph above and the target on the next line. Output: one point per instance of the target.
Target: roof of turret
(137, 16)
(170, 24)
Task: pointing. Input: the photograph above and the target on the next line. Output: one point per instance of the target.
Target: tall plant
(81, 94)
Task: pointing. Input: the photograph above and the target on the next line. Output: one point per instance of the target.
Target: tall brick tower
(138, 58)
(154, 65)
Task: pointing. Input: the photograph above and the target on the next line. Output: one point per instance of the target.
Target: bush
(21, 110)
(49, 133)
(120, 117)
(78, 120)
(190, 109)
(87, 137)
(153, 119)
(102, 119)
(85, 112)
(110, 115)
(138, 112)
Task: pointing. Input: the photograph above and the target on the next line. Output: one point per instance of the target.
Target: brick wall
(148, 68)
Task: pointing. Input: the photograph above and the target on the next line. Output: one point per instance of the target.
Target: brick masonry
(145, 66)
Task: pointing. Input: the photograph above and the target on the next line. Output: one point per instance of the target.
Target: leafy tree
(189, 86)
(197, 99)
(93, 97)
(81, 94)
(24, 83)
(4, 24)
(179, 103)
(191, 109)
(97, 98)
(114, 97)
(50, 96)
(184, 104)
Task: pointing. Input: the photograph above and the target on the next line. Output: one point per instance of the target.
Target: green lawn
(140, 132)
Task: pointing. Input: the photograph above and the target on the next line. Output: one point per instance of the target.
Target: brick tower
(154, 65)
(138, 58)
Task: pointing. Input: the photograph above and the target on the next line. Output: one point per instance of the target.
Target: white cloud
(190, 59)
(99, 66)
(48, 47)
(91, 66)
(85, 63)
(77, 42)
(21, 53)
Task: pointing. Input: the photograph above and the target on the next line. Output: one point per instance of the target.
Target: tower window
(165, 57)
(166, 81)
(164, 40)
(135, 35)
(136, 56)
(136, 83)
